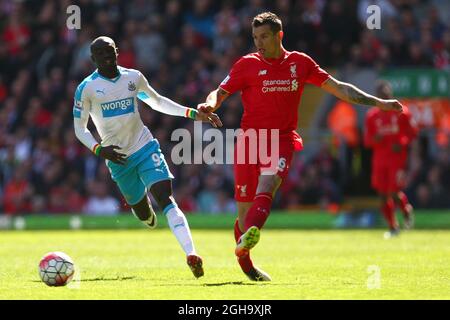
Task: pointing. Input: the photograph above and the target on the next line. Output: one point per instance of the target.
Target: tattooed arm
(214, 100)
(348, 92)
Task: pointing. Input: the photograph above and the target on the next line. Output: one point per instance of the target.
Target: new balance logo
(262, 72)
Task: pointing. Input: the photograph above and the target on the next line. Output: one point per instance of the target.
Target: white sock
(180, 228)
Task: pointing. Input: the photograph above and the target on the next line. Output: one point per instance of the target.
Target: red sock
(259, 211)
(404, 203)
(245, 262)
(388, 210)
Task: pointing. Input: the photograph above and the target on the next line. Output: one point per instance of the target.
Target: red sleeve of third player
(315, 74)
(235, 80)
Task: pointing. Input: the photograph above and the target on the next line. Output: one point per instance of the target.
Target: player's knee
(162, 193)
(268, 184)
(162, 198)
(165, 200)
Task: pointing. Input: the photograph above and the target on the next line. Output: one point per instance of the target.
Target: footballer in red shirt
(389, 133)
(271, 82)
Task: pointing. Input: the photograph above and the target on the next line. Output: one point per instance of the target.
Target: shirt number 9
(156, 159)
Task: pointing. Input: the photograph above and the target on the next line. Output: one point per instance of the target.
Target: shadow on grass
(108, 279)
(155, 284)
(235, 283)
(220, 284)
(101, 279)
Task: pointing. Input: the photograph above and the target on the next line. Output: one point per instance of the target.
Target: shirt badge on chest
(131, 86)
(293, 69)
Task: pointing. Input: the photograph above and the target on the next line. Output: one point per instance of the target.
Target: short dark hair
(270, 19)
(101, 39)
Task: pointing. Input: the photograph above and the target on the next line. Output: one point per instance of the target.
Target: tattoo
(221, 96)
(216, 97)
(222, 92)
(358, 96)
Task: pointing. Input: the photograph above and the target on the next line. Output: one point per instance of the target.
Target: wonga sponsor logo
(117, 107)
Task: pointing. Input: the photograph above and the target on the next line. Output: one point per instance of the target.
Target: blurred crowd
(428, 179)
(185, 48)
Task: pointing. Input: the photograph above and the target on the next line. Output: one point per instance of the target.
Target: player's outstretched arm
(348, 92)
(213, 101)
(164, 105)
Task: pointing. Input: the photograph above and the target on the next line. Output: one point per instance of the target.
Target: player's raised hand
(111, 154)
(390, 105)
(212, 118)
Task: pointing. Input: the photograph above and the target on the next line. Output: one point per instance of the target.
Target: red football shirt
(393, 128)
(271, 88)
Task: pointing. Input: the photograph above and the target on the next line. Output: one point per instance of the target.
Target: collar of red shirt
(275, 61)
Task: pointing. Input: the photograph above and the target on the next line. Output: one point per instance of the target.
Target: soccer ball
(56, 269)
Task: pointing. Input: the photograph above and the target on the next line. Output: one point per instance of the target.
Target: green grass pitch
(149, 264)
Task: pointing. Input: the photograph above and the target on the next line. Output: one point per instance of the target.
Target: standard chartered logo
(294, 86)
(279, 85)
(118, 107)
(276, 82)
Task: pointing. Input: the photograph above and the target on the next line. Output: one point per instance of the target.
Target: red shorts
(253, 158)
(388, 177)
